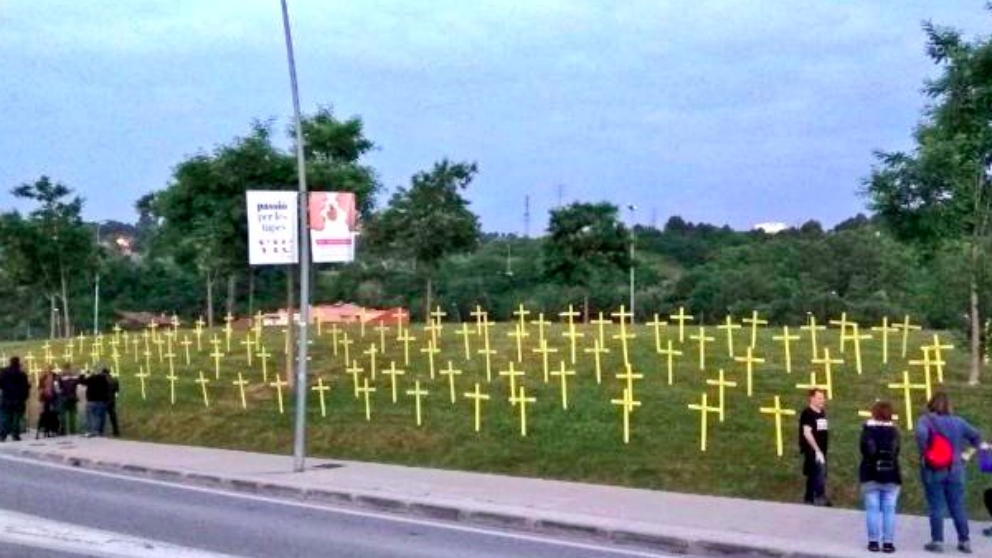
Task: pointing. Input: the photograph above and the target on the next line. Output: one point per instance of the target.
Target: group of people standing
(58, 399)
(942, 439)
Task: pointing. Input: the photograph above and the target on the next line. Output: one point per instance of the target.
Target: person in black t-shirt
(814, 441)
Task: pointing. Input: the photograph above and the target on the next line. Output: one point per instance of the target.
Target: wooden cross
(827, 363)
(938, 360)
(518, 335)
(371, 352)
(749, 361)
(257, 324)
(477, 397)
(321, 390)
(362, 315)
(488, 354)
(334, 338)
(241, 382)
(812, 328)
(203, 381)
(629, 376)
(812, 383)
(601, 324)
(704, 410)
(117, 331)
(418, 394)
(366, 391)
(217, 355)
(142, 376)
(438, 315)
(157, 341)
(186, 344)
(843, 324)
(521, 314)
(263, 356)
(320, 325)
(392, 372)
(383, 329)
(451, 372)
(279, 384)
(153, 328)
(135, 343)
(47, 347)
(248, 342)
(927, 370)
(624, 334)
(681, 318)
(702, 339)
(906, 386)
(521, 403)
(906, 327)
(669, 353)
(512, 374)
(82, 340)
(346, 343)
(786, 340)
(406, 338)
(777, 412)
(563, 375)
(570, 333)
(66, 353)
(228, 329)
(597, 350)
(542, 326)
(885, 329)
(198, 331)
(431, 350)
(354, 370)
(544, 351)
(721, 384)
(148, 360)
(175, 323)
(856, 337)
(172, 387)
(627, 405)
(754, 321)
(477, 314)
(656, 324)
(729, 326)
(400, 315)
(466, 331)
(171, 357)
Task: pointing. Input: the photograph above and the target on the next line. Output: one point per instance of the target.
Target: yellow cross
(563, 375)
(142, 376)
(418, 394)
(521, 314)
(354, 370)
(488, 354)
(477, 397)
(117, 331)
(431, 350)
(186, 344)
(362, 315)
(729, 326)
(518, 334)
(721, 384)
(47, 347)
(321, 389)
(885, 330)
(199, 333)
(601, 324)
(82, 340)
(392, 372)
(172, 387)
(477, 314)
(754, 321)
(366, 391)
(906, 327)
(906, 386)
(597, 350)
(465, 331)
(203, 381)
(656, 324)
(248, 342)
(383, 329)
(629, 376)
(135, 342)
(451, 372)
(624, 334)
(228, 329)
(257, 325)
(857, 338)
(346, 343)
(521, 403)
(279, 384)
(263, 356)
(926, 364)
(812, 328)
(778, 412)
(438, 315)
(827, 363)
(542, 326)
(512, 374)
(406, 338)
(66, 353)
(812, 383)
(157, 341)
(786, 340)
(241, 383)
(681, 318)
(544, 351)
(171, 357)
(334, 338)
(372, 351)
(320, 326)
(702, 339)
(704, 410)
(217, 355)
(669, 353)
(749, 361)
(570, 333)
(843, 324)
(938, 360)
(627, 405)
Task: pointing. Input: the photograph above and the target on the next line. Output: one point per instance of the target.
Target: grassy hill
(583, 443)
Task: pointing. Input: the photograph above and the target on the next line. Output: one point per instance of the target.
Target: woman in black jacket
(880, 476)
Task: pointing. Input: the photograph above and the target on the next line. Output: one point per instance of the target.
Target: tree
(587, 245)
(50, 250)
(428, 221)
(940, 195)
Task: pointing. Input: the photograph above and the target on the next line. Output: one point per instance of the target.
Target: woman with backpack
(880, 477)
(941, 437)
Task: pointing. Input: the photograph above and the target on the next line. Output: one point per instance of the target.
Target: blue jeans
(945, 489)
(880, 508)
(96, 417)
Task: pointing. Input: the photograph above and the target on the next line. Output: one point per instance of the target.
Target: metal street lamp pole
(96, 285)
(299, 431)
(632, 209)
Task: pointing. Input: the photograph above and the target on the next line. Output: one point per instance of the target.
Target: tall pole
(299, 432)
(96, 285)
(632, 208)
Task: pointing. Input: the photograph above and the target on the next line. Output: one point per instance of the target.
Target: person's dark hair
(882, 410)
(939, 404)
(15, 363)
(814, 391)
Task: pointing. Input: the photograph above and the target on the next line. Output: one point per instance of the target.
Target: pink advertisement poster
(333, 226)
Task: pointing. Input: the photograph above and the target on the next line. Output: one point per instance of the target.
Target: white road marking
(37, 532)
(352, 512)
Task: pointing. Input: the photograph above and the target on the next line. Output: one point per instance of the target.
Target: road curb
(669, 544)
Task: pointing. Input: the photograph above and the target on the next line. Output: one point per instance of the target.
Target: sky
(734, 112)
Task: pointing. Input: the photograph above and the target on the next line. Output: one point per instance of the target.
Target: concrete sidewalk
(670, 522)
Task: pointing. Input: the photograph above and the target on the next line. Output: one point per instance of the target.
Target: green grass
(584, 443)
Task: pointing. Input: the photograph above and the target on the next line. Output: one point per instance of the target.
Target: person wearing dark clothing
(988, 506)
(814, 440)
(97, 398)
(68, 400)
(944, 486)
(115, 388)
(14, 392)
(880, 477)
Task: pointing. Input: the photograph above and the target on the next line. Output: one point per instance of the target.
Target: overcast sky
(733, 112)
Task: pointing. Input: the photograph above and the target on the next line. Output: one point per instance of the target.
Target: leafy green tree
(940, 192)
(587, 247)
(428, 222)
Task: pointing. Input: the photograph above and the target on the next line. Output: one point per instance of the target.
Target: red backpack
(939, 453)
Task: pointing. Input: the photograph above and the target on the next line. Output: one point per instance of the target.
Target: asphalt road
(50, 511)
